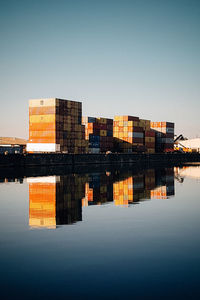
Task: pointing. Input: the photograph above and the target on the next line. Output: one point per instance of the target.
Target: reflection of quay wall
(55, 200)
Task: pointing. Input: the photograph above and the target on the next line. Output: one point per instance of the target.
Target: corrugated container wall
(133, 134)
(99, 134)
(164, 134)
(55, 126)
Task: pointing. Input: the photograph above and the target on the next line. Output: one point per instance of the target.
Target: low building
(193, 144)
(9, 145)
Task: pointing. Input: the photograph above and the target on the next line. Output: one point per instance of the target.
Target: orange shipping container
(42, 126)
(46, 110)
(41, 134)
(42, 140)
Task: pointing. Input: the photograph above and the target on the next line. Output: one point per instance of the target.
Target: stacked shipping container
(150, 141)
(55, 126)
(149, 136)
(132, 133)
(164, 133)
(127, 133)
(99, 134)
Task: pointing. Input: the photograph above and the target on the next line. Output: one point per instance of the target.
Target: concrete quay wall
(26, 160)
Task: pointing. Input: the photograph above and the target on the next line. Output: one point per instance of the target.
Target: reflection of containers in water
(159, 193)
(42, 201)
(170, 190)
(162, 192)
(150, 179)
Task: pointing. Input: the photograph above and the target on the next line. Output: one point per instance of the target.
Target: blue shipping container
(91, 120)
(94, 138)
(94, 145)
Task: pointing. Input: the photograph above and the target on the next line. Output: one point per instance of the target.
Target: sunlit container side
(57, 121)
(164, 136)
(99, 133)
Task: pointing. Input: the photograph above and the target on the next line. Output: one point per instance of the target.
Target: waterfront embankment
(32, 160)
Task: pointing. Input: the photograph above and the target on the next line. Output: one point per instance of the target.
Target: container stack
(150, 141)
(149, 136)
(164, 136)
(128, 133)
(92, 134)
(106, 134)
(55, 126)
(99, 134)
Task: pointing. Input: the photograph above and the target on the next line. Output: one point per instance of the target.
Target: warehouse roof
(12, 141)
(192, 143)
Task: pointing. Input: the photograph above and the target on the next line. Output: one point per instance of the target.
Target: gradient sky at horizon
(125, 57)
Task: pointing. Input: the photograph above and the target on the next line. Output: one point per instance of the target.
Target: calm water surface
(109, 235)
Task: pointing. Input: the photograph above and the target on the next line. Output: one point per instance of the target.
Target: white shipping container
(130, 134)
(42, 147)
(94, 150)
(42, 102)
(157, 129)
(192, 143)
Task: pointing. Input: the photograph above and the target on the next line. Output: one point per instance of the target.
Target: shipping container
(43, 147)
(57, 121)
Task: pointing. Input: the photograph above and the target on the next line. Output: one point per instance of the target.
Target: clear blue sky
(118, 57)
